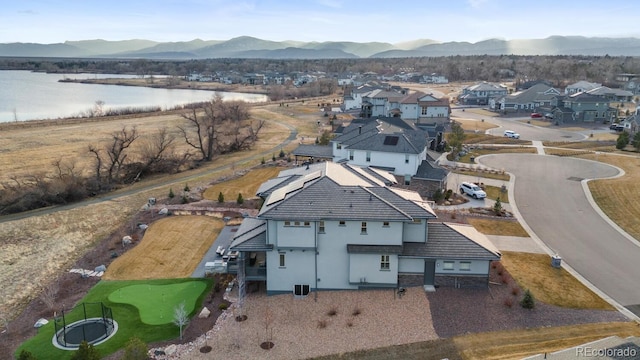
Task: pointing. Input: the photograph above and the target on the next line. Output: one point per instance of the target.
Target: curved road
(293, 134)
(551, 200)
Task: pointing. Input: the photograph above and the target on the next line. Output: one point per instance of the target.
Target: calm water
(27, 95)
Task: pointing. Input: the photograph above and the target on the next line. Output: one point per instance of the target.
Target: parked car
(536, 115)
(616, 127)
(472, 190)
(548, 116)
(511, 134)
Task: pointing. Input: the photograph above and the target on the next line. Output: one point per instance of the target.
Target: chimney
(359, 129)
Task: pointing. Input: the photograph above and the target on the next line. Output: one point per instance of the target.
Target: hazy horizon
(49, 22)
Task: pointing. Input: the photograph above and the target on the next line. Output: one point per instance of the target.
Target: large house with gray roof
(527, 101)
(328, 226)
(481, 93)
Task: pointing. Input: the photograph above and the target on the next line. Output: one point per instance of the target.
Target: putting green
(156, 303)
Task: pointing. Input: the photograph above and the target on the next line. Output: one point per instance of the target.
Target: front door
(429, 272)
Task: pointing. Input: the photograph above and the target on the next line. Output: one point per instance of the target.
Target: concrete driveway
(550, 197)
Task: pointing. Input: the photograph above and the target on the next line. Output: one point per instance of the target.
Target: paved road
(551, 200)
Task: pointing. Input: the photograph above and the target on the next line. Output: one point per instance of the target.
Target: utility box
(556, 261)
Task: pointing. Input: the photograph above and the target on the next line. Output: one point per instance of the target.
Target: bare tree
(49, 295)
(180, 317)
(156, 150)
(201, 130)
(116, 154)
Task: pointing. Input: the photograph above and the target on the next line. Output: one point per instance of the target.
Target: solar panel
(391, 140)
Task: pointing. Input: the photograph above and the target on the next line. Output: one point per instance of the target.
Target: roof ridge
(386, 202)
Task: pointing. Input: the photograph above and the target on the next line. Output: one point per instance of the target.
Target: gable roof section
(453, 241)
(251, 235)
(537, 92)
(316, 151)
(380, 135)
(430, 171)
(408, 202)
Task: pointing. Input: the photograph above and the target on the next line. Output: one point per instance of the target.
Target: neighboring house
(615, 95)
(254, 79)
(435, 79)
(392, 144)
(428, 179)
(583, 107)
(632, 123)
(379, 102)
(527, 101)
(580, 86)
(479, 94)
(353, 97)
(334, 226)
(423, 109)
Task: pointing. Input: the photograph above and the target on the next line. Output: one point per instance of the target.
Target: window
(363, 227)
(385, 224)
(321, 227)
(306, 223)
(406, 158)
(342, 223)
(350, 154)
(282, 260)
(384, 262)
(424, 110)
(465, 265)
(407, 179)
(287, 223)
(368, 156)
(296, 223)
(417, 221)
(338, 146)
(447, 265)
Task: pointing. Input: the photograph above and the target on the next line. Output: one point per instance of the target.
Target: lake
(26, 95)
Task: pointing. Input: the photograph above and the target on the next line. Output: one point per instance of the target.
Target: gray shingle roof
(251, 236)
(453, 241)
(316, 151)
(373, 135)
(373, 249)
(431, 171)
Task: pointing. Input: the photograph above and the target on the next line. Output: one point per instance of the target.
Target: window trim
(385, 224)
(466, 267)
(342, 223)
(321, 227)
(282, 264)
(448, 262)
(363, 228)
(385, 263)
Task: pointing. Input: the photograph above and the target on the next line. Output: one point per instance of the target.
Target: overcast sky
(393, 21)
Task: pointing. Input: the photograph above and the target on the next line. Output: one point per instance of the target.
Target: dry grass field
(171, 248)
(247, 184)
(475, 125)
(481, 138)
(619, 198)
(498, 227)
(548, 284)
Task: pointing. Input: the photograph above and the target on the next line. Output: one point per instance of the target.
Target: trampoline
(93, 330)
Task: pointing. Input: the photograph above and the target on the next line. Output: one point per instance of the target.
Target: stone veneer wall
(461, 281)
(426, 188)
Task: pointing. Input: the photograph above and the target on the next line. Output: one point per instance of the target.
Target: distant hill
(251, 47)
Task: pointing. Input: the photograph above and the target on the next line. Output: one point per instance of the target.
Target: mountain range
(251, 47)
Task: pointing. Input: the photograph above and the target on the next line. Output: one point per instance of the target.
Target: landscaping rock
(204, 313)
(170, 350)
(41, 322)
(100, 268)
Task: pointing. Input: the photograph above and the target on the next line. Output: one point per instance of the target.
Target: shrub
(504, 278)
(349, 323)
(171, 194)
(240, 200)
(447, 195)
(515, 291)
(273, 158)
(25, 355)
(220, 197)
(497, 207)
(333, 311)
(86, 352)
(185, 199)
(281, 155)
(527, 301)
(356, 311)
(223, 306)
(136, 349)
(438, 195)
(508, 302)
(262, 161)
(186, 188)
(322, 324)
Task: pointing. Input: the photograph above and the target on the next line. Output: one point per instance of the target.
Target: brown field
(475, 125)
(247, 184)
(480, 138)
(487, 150)
(535, 122)
(595, 145)
(171, 248)
(619, 198)
(498, 227)
(548, 284)
(494, 192)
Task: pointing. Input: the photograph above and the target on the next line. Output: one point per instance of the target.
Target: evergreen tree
(497, 207)
(623, 140)
(171, 194)
(240, 199)
(220, 197)
(26, 355)
(86, 352)
(527, 301)
(636, 141)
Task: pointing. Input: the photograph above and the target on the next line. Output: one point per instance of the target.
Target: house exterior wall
(299, 269)
(477, 267)
(426, 188)
(403, 165)
(410, 111)
(415, 232)
(411, 266)
(365, 269)
(297, 236)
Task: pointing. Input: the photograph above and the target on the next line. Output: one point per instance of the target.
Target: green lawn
(156, 302)
(130, 324)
